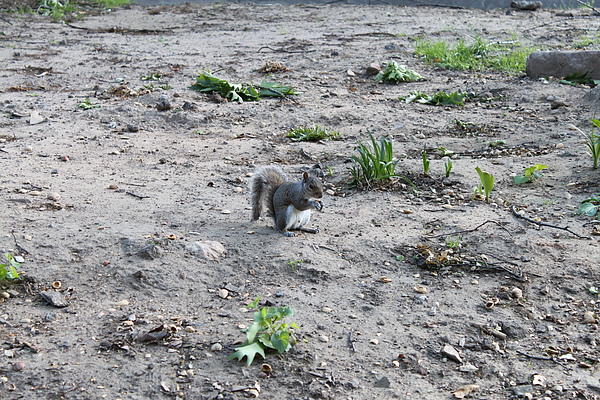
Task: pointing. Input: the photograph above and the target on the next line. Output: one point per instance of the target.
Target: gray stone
(593, 96)
(526, 5)
(562, 63)
(383, 383)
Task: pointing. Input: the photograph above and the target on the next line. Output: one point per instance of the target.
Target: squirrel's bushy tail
(263, 185)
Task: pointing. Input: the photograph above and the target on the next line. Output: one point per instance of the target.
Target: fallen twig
(564, 228)
(467, 230)
(588, 6)
(137, 195)
(21, 248)
(490, 331)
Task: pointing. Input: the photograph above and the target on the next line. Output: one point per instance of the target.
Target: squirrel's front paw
(319, 205)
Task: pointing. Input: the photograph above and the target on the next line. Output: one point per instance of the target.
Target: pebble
(451, 353)
(54, 196)
(190, 329)
(421, 289)
(350, 73)
(327, 309)
(516, 293)
(122, 303)
(374, 341)
(323, 339)
(5, 295)
(216, 347)
(223, 293)
(18, 366)
(225, 211)
(588, 317)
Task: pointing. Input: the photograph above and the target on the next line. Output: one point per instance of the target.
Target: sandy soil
(104, 206)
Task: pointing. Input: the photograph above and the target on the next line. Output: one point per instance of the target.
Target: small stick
(588, 6)
(18, 245)
(467, 230)
(137, 195)
(564, 228)
(535, 357)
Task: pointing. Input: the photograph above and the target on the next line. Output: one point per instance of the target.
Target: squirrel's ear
(305, 175)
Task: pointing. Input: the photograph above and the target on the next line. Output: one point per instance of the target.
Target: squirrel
(288, 202)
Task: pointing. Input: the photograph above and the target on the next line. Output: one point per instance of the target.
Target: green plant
(578, 79)
(590, 207)
(476, 56)
(9, 270)
(313, 134)
(393, 72)
(87, 104)
(151, 77)
(374, 163)
(498, 143)
(453, 242)
(268, 331)
(293, 264)
(437, 99)
(448, 166)
(529, 174)
(425, 161)
(486, 184)
(207, 83)
(592, 141)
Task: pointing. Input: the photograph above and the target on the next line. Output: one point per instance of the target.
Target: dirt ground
(105, 206)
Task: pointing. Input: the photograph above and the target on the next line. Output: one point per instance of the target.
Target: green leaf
(249, 351)
(588, 208)
(519, 179)
(487, 181)
(252, 331)
(281, 341)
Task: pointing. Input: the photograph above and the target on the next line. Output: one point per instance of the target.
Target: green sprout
(437, 99)
(87, 104)
(530, 174)
(268, 331)
(592, 141)
(314, 134)
(486, 184)
(374, 163)
(425, 161)
(396, 73)
(448, 166)
(8, 270)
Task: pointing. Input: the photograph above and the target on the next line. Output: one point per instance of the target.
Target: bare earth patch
(105, 204)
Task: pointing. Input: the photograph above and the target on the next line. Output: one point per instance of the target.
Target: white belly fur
(295, 218)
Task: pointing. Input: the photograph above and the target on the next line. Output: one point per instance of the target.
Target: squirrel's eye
(311, 187)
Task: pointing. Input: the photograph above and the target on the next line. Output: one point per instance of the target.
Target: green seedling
(438, 99)
(425, 161)
(293, 264)
(87, 104)
(374, 163)
(8, 270)
(448, 166)
(590, 207)
(486, 184)
(530, 174)
(396, 73)
(579, 79)
(207, 83)
(498, 143)
(453, 242)
(314, 134)
(151, 77)
(592, 141)
(268, 331)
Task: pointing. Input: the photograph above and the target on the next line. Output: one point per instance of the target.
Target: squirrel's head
(313, 185)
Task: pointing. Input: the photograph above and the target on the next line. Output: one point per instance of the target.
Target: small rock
(54, 196)
(350, 73)
(163, 103)
(54, 298)
(150, 252)
(374, 341)
(49, 317)
(516, 293)
(209, 250)
(18, 366)
(373, 69)
(588, 317)
(384, 382)
(133, 127)
(323, 339)
(122, 303)
(216, 347)
(451, 353)
(223, 293)
(35, 118)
